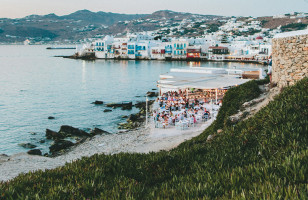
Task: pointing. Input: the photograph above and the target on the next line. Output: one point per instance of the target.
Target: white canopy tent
(176, 81)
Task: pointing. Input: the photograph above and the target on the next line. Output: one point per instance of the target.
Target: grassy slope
(265, 156)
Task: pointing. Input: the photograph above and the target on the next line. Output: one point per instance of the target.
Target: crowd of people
(176, 109)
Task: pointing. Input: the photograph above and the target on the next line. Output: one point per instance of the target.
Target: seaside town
(168, 105)
(230, 39)
(215, 47)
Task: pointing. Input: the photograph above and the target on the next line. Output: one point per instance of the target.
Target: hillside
(73, 27)
(81, 25)
(263, 157)
(164, 19)
(100, 18)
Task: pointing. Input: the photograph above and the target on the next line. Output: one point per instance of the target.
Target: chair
(184, 126)
(158, 124)
(191, 122)
(199, 118)
(205, 117)
(165, 124)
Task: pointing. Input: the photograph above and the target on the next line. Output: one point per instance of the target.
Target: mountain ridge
(78, 26)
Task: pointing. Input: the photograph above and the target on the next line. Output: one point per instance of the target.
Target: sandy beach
(144, 140)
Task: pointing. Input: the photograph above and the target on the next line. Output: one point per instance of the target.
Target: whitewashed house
(158, 53)
(179, 48)
(131, 50)
(100, 46)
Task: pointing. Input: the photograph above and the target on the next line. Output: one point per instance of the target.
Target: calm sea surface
(34, 85)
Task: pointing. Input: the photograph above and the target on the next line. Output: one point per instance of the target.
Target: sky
(22, 8)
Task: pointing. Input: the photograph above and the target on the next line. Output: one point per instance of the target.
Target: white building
(179, 48)
(101, 47)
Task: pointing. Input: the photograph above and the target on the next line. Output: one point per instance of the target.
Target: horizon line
(145, 14)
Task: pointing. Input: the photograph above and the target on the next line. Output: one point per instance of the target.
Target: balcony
(141, 48)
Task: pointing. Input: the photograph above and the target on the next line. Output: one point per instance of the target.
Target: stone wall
(290, 58)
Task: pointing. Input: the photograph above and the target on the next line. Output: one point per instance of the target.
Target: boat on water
(56, 48)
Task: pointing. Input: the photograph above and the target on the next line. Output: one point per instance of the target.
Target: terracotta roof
(213, 47)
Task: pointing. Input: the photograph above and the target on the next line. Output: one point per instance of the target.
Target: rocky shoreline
(68, 137)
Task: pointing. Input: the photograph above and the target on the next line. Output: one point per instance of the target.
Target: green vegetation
(264, 22)
(264, 157)
(294, 27)
(213, 28)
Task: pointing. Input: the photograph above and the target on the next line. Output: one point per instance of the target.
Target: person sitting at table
(220, 103)
(176, 118)
(182, 116)
(195, 111)
(186, 104)
(154, 114)
(170, 120)
(195, 120)
(200, 112)
(185, 114)
(157, 116)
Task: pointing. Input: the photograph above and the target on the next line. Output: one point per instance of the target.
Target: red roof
(259, 38)
(213, 47)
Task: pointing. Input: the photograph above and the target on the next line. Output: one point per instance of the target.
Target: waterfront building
(142, 50)
(131, 50)
(100, 46)
(158, 53)
(116, 49)
(179, 47)
(124, 50)
(85, 49)
(168, 50)
(194, 52)
(218, 53)
(120, 47)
